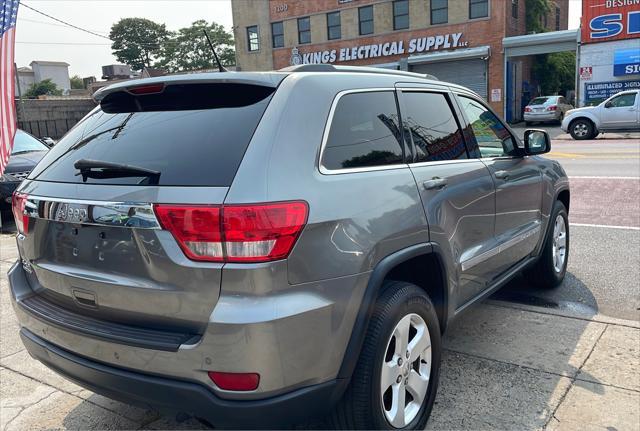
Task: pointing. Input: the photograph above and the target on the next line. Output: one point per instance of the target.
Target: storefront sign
(626, 62)
(586, 73)
(604, 90)
(496, 94)
(398, 47)
(605, 20)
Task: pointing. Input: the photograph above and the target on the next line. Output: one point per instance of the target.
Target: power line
(64, 22)
(53, 24)
(63, 43)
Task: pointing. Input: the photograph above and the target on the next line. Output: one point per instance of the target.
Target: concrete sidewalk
(505, 367)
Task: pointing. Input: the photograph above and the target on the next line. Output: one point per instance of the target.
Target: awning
(458, 54)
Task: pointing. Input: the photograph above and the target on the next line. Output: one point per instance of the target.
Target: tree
(137, 41)
(44, 87)
(188, 49)
(76, 82)
(555, 72)
(536, 10)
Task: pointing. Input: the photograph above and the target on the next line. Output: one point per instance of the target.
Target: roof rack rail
(355, 69)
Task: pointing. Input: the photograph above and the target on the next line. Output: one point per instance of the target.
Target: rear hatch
(93, 249)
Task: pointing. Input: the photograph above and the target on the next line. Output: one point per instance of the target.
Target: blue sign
(626, 62)
(604, 90)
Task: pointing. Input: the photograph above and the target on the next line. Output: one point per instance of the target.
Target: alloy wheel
(580, 129)
(559, 244)
(406, 370)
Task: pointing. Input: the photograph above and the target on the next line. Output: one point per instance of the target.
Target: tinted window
(623, 101)
(538, 101)
(478, 8)
(333, 26)
(400, 14)
(439, 11)
(365, 20)
(197, 147)
(304, 30)
(364, 132)
(433, 127)
(492, 137)
(24, 142)
(277, 34)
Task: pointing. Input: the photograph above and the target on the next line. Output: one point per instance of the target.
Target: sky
(40, 38)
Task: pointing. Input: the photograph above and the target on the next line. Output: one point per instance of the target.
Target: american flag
(8, 16)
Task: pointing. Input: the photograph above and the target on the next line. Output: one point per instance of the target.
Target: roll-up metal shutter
(468, 73)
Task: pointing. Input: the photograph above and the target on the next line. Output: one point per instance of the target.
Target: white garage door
(468, 73)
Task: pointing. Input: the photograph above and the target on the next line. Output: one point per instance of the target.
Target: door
(517, 180)
(620, 112)
(457, 193)
(468, 73)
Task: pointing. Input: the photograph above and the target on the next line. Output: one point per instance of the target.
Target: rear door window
(195, 140)
(364, 132)
(432, 126)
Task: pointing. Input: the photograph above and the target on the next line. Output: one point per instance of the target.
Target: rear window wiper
(102, 170)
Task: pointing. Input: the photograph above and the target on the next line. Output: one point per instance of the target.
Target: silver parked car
(545, 109)
(619, 113)
(260, 248)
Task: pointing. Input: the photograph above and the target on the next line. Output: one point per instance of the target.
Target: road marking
(587, 177)
(567, 155)
(604, 225)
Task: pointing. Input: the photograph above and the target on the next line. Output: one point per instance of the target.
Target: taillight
(552, 108)
(18, 204)
(146, 89)
(235, 233)
(527, 109)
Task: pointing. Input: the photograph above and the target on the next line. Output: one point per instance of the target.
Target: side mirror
(536, 142)
(608, 104)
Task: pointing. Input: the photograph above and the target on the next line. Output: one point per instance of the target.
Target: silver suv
(260, 248)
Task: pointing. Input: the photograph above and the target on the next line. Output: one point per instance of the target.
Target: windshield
(24, 143)
(540, 100)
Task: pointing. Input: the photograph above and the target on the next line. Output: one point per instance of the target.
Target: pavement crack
(23, 408)
(574, 379)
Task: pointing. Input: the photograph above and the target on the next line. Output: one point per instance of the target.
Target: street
(524, 359)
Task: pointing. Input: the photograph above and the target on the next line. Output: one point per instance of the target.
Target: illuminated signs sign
(386, 49)
(604, 90)
(626, 62)
(605, 20)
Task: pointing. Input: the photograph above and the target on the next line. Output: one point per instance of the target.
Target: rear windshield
(539, 100)
(201, 146)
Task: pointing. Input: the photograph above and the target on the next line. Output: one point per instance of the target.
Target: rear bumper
(550, 116)
(177, 395)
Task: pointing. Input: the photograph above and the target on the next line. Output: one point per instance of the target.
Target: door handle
(502, 175)
(435, 184)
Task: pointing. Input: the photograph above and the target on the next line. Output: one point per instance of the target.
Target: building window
(514, 8)
(557, 18)
(304, 30)
(253, 41)
(478, 9)
(334, 30)
(439, 11)
(400, 14)
(365, 20)
(277, 34)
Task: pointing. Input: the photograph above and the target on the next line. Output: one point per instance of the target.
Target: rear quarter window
(364, 132)
(191, 141)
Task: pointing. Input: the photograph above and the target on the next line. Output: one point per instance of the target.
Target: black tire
(543, 274)
(361, 406)
(577, 127)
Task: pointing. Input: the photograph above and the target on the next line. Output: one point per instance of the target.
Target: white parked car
(546, 108)
(619, 113)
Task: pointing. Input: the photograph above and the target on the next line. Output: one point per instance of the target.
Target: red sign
(606, 20)
(586, 73)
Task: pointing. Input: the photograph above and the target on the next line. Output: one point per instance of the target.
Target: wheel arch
(589, 118)
(402, 265)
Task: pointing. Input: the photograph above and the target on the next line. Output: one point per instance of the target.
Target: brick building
(456, 40)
